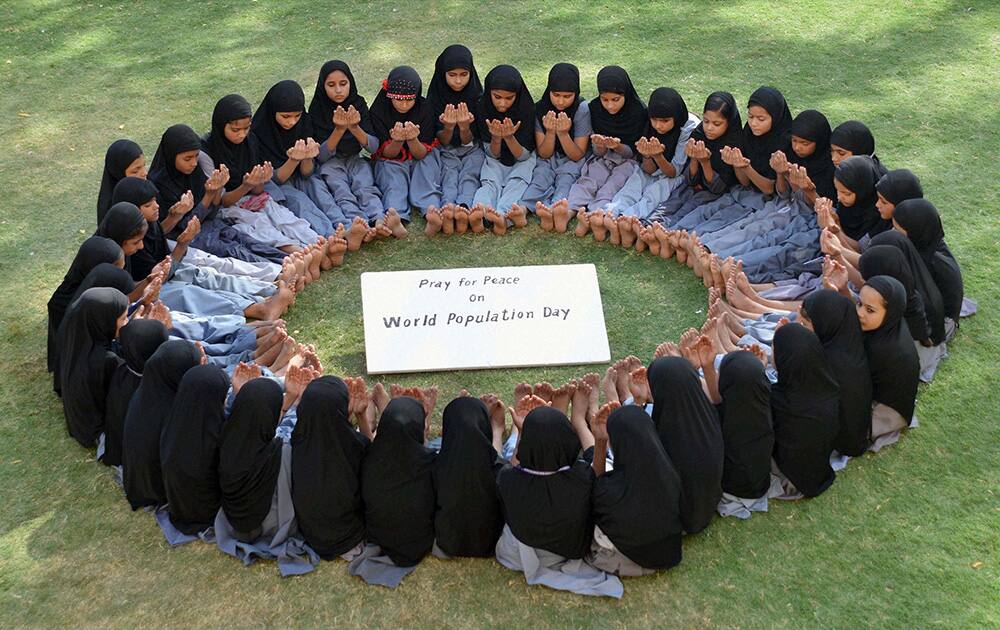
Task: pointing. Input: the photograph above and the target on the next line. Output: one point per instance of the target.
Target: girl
(86, 361)
(884, 260)
(895, 367)
(405, 162)
(853, 138)
(895, 187)
(689, 431)
(855, 180)
(768, 129)
(341, 122)
(811, 155)
(124, 158)
(467, 519)
(805, 409)
(562, 137)
(189, 449)
(505, 126)
(919, 220)
(229, 143)
(284, 138)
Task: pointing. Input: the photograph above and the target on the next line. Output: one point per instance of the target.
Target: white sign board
(491, 317)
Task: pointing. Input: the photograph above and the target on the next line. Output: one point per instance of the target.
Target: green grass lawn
(905, 538)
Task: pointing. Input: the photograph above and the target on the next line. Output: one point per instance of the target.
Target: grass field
(906, 538)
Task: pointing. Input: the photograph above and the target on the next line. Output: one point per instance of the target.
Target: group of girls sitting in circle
(831, 295)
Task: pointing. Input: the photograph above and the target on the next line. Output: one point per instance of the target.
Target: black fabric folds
(120, 155)
(898, 185)
(860, 175)
(240, 158)
(892, 357)
(747, 433)
(854, 136)
(923, 227)
(885, 260)
(507, 78)
(273, 140)
(154, 244)
(321, 109)
(923, 281)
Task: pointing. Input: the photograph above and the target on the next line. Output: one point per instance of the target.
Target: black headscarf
(170, 183)
(468, 519)
(250, 454)
(631, 121)
(189, 448)
(154, 244)
(813, 126)
(923, 227)
(120, 155)
(552, 511)
(859, 175)
(689, 430)
(733, 137)
(107, 275)
(439, 94)
(666, 102)
(854, 136)
(240, 158)
(326, 469)
(123, 221)
(403, 81)
(137, 342)
(396, 484)
(885, 260)
(507, 78)
(273, 140)
(758, 149)
(923, 281)
(746, 425)
(86, 361)
(805, 410)
(321, 109)
(892, 357)
(145, 418)
(563, 77)
(834, 319)
(898, 185)
(92, 252)
(637, 505)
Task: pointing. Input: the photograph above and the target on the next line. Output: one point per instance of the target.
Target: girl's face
(186, 161)
(759, 120)
(662, 125)
(839, 154)
(714, 124)
(871, 309)
(561, 100)
(403, 105)
(236, 130)
(337, 86)
(803, 319)
(137, 168)
(151, 210)
(802, 147)
(457, 79)
(885, 209)
(845, 196)
(502, 99)
(134, 243)
(287, 120)
(122, 320)
(612, 102)
(899, 228)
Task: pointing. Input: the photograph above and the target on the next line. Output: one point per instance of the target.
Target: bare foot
(666, 349)
(663, 237)
(335, 250)
(622, 378)
(448, 218)
(461, 220)
(356, 234)
(288, 348)
(267, 358)
(545, 391)
(639, 386)
(380, 397)
(497, 221)
(715, 267)
(521, 390)
(429, 399)
(608, 385)
(434, 221)
(316, 254)
(626, 231)
(518, 215)
(647, 237)
(562, 396)
(476, 216)
(395, 223)
(679, 241)
(582, 391)
(561, 215)
(274, 306)
(597, 225)
(688, 338)
(582, 223)
(592, 381)
(545, 216)
(614, 229)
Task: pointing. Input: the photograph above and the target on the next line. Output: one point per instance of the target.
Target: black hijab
(834, 319)
(923, 227)
(146, 416)
(892, 357)
(631, 121)
(468, 519)
(439, 94)
(86, 361)
(154, 244)
(240, 158)
(403, 82)
(326, 469)
(189, 448)
(898, 185)
(733, 137)
(396, 484)
(551, 511)
(923, 281)
(92, 252)
(805, 410)
(123, 221)
(813, 126)
(746, 425)
(137, 342)
(859, 175)
(885, 260)
(250, 454)
(689, 430)
(522, 111)
(273, 140)
(321, 109)
(107, 275)
(120, 155)
(563, 77)
(637, 505)
(854, 136)
(170, 183)
(666, 102)
(758, 149)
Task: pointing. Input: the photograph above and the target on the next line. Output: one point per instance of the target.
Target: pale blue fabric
(503, 186)
(460, 168)
(601, 177)
(352, 183)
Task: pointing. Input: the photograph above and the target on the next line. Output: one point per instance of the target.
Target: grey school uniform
(264, 271)
(500, 187)
(226, 339)
(553, 177)
(460, 168)
(409, 183)
(308, 198)
(601, 178)
(351, 181)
